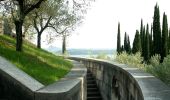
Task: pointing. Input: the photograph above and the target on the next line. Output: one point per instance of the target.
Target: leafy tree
(164, 37)
(43, 17)
(128, 45)
(147, 52)
(19, 10)
(136, 43)
(156, 32)
(118, 40)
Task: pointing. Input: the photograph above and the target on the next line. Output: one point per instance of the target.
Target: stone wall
(17, 85)
(121, 82)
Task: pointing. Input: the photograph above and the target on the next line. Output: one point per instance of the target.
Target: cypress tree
(136, 43)
(156, 32)
(164, 37)
(151, 41)
(128, 45)
(118, 40)
(143, 41)
(146, 51)
(122, 48)
(125, 42)
(141, 34)
(169, 42)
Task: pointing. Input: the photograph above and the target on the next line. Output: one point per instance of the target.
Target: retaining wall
(122, 82)
(17, 85)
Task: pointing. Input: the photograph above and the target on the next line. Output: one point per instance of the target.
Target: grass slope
(40, 64)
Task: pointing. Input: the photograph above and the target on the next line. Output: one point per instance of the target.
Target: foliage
(103, 56)
(156, 31)
(118, 40)
(160, 70)
(6, 27)
(136, 43)
(164, 37)
(130, 59)
(41, 65)
(147, 50)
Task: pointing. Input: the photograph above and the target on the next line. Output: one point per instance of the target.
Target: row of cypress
(149, 41)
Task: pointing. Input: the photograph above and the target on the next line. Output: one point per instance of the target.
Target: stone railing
(17, 85)
(121, 82)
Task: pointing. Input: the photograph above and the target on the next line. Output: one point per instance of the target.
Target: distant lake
(89, 52)
(95, 55)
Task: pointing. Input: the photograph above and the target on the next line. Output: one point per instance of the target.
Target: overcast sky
(100, 27)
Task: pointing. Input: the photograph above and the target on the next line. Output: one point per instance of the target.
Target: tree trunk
(64, 45)
(39, 40)
(18, 26)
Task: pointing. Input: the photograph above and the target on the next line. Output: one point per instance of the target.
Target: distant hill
(73, 51)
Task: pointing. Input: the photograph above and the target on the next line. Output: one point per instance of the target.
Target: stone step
(91, 82)
(94, 93)
(94, 98)
(90, 78)
(91, 86)
(92, 89)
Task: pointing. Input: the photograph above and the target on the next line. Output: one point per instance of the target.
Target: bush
(160, 70)
(103, 56)
(132, 59)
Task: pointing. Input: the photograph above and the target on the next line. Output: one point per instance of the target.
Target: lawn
(45, 67)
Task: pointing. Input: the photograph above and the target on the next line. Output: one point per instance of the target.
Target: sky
(99, 30)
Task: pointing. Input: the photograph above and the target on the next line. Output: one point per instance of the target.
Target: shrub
(130, 59)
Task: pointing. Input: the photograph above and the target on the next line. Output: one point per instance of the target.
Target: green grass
(40, 64)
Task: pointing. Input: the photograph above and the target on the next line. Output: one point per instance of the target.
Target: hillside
(40, 64)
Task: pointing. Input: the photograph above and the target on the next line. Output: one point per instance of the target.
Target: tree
(164, 37)
(151, 41)
(125, 42)
(128, 45)
(156, 32)
(6, 27)
(147, 52)
(136, 43)
(143, 41)
(19, 10)
(169, 42)
(118, 40)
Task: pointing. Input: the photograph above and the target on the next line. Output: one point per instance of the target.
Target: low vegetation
(160, 70)
(40, 64)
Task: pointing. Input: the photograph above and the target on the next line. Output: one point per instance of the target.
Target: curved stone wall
(17, 85)
(121, 82)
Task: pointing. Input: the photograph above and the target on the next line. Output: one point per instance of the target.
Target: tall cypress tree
(118, 40)
(141, 34)
(169, 42)
(164, 37)
(128, 45)
(151, 41)
(156, 32)
(143, 41)
(146, 51)
(136, 43)
(125, 42)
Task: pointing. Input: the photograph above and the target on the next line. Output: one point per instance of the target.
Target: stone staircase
(93, 92)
